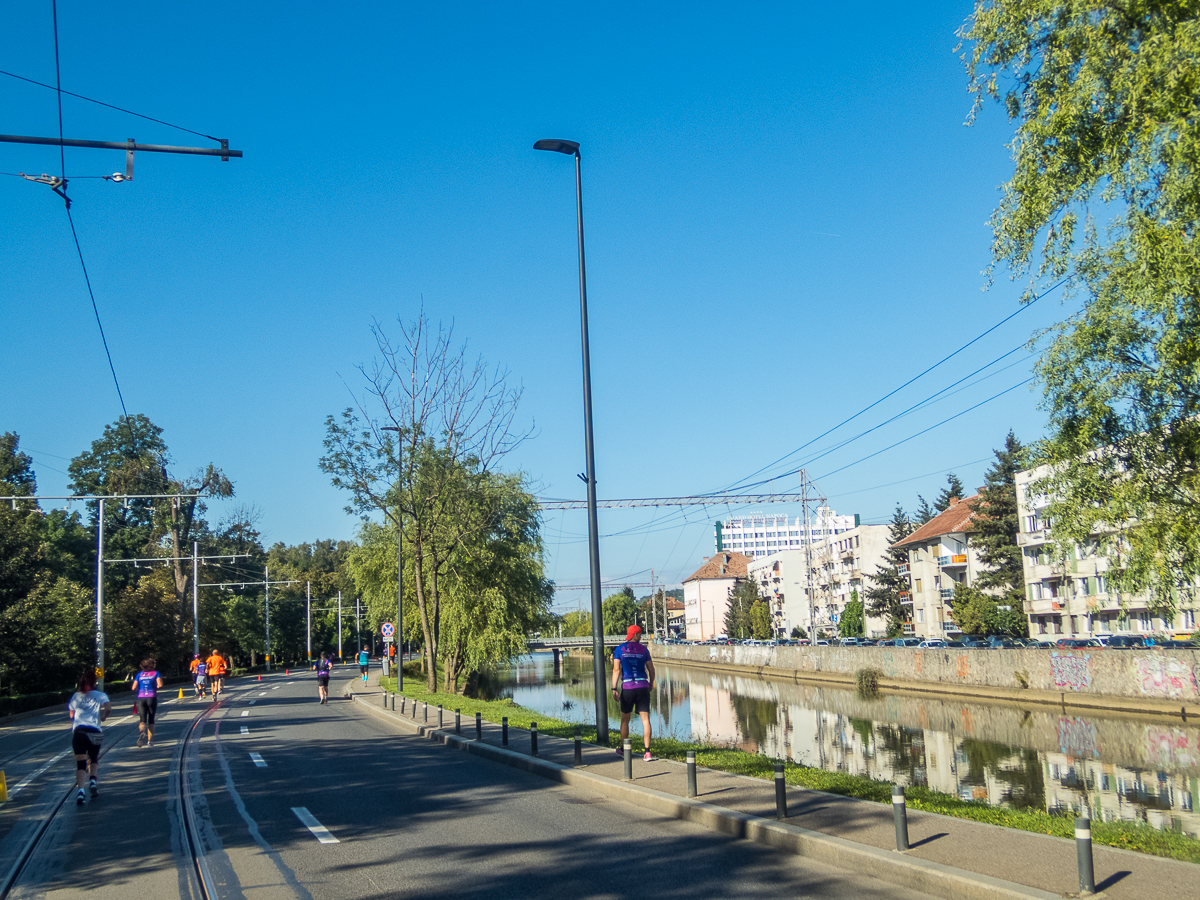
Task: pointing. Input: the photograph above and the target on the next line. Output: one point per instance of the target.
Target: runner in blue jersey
(632, 679)
(364, 663)
(323, 666)
(146, 683)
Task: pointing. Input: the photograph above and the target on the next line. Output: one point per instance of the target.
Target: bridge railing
(610, 640)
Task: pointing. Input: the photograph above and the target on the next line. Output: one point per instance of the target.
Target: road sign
(388, 630)
(834, 617)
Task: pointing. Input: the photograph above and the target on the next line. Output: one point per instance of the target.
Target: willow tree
(1105, 193)
(429, 425)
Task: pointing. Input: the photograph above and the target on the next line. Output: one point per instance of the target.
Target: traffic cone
(287, 671)
(260, 678)
(181, 693)
(3, 788)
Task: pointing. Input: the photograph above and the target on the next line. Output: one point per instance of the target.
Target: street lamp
(572, 149)
(399, 565)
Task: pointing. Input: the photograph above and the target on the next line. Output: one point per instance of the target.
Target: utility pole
(100, 598)
(308, 616)
(339, 626)
(196, 598)
(267, 605)
(358, 621)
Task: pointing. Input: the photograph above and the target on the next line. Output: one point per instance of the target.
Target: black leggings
(146, 709)
(86, 740)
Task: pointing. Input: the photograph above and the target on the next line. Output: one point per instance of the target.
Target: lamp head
(568, 147)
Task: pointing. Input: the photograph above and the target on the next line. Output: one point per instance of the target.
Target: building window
(917, 585)
(921, 616)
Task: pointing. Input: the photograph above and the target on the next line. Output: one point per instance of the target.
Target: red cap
(633, 630)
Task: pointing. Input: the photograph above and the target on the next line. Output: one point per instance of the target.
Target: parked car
(931, 643)
(1178, 645)
(1126, 641)
(907, 642)
(821, 643)
(1075, 643)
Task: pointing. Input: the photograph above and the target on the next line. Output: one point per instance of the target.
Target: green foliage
(1104, 101)
(620, 611)
(47, 636)
(742, 598)
(866, 680)
(850, 622)
(760, 621)
(978, 613)
(798, 632)
(924, 512)
(996, 526)
(883, 596)
(577, 624)
(953, 490)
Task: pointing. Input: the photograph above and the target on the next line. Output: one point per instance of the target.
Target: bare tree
(453, 420)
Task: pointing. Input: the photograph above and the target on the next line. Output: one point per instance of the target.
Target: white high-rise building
(758, 534)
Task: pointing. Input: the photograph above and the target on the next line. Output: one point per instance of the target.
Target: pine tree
(883, 597)
(737, 617)
(924, 512)
(996, 526)
(952, 491)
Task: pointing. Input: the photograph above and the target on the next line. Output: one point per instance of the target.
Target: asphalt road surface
(296, 799)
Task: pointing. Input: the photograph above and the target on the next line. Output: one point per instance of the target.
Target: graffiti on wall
(964, 666)
(1170, 748)
(1168, 677)
(1077, 737)
(1070, 672)
(889, 665)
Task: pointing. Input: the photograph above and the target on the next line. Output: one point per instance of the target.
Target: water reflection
(1112, 768)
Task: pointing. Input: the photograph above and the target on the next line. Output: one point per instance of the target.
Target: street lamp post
(399, 635)
(571, 148)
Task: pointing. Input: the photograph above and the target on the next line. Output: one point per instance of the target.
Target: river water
(1112, 767)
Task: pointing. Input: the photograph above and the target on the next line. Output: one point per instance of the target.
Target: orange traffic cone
(260, 678)
(287, 671)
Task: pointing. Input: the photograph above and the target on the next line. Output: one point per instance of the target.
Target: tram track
(184, 809)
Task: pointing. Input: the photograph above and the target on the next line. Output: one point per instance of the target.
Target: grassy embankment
(1126, 835)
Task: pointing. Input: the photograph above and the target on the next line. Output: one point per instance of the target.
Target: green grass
(1125, 835)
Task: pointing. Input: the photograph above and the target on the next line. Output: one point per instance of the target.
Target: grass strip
(1125, 835)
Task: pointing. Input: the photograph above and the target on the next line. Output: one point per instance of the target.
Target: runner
(147, 682)
(195, 664)
(364, 663)
(201, 677)
(323, 665)
(216, 672)
(632, 680)
(88, 708)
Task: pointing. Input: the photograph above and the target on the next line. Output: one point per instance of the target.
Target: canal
(1113, 767)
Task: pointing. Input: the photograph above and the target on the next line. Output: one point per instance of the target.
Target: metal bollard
(533, 738)
(627, 746)
(691, 769)
(440, 711)
(457, 721)
(1083, 851)
(478, 726)
(426, 711)
(385, 696)
(780, 792)
(403, 704)
(900, 813)
(578, 746)
(504, 731)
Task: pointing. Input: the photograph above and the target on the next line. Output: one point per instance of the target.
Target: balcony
(908, 628)
(906, 597)
(848, 553)
(1032, 538)
(949, 562)
(946, 593)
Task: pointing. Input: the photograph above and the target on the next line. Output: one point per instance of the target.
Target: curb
(919, 874)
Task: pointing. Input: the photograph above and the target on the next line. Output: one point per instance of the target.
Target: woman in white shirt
(88, 708)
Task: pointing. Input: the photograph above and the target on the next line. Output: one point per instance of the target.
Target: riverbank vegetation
(1125, 835)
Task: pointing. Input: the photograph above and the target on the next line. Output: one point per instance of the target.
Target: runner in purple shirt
(146, 683)
(632, 680)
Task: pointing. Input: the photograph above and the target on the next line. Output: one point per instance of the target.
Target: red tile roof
(956, 518)
(722, 565)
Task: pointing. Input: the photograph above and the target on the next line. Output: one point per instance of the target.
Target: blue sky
(785, 218)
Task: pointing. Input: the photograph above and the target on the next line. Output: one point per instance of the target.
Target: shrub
(867, 681)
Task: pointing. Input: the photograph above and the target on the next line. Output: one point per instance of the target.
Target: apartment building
(782, 578)
(940, 556)
(758, 534)
(1071, 597)
(706, 594)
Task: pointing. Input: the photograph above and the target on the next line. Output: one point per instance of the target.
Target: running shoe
(648, 757)
(79, 798)
(95, 791)
(149, 744)
(620, 753)
(141, 742)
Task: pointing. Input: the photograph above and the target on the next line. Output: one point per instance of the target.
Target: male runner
(632, 679)
(364, 663)
(201, 677)
(323, 666)
(216, 672)
(195, 663)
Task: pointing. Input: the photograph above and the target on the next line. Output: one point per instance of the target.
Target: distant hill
(676, 594)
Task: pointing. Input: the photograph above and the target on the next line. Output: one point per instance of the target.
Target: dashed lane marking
(245, 712)
(28, 778)
(252, 702)
(320, 832)
(245, 730)
(258, 760)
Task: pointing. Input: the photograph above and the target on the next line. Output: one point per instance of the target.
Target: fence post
(900, 814)
(780, 792)
(1083, 853)
(691, 770)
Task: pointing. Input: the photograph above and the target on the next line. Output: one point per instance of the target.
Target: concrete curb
(932, 878)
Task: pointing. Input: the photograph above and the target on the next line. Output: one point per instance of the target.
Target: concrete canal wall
(1144, 680)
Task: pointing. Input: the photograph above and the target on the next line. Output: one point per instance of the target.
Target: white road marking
(258, 760)
(245, 730)
(12, 792)
(276, 687)
(320, 832)
(245, 712)
(252, 702)
(263, 693)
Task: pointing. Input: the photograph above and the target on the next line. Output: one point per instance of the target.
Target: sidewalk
(974, 849)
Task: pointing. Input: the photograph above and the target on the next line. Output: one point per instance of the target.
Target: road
(382, 813)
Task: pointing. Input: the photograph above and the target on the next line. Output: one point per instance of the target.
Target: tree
(883, 598)
(760, 620)
(851, 623)
(16, 468)
(1103, 196)
(620, 611)
(978, 613)
(798, 632)
(924, 512)
(742, 598)
(952, 491)
(996, 525)
(577, 624)
(453, 421)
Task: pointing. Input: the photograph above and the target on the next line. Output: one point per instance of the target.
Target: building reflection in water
(1022, 757)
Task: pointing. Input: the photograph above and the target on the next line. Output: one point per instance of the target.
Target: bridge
(566, 643)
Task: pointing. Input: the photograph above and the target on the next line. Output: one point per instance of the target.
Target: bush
(867, 681)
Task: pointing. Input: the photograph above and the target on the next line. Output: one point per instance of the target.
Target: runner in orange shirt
(216, 672)
(194, 665)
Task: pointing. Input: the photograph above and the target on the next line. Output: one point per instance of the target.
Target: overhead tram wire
(1024, 306)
